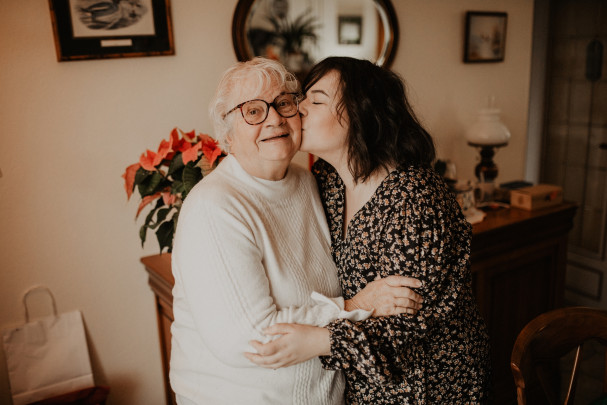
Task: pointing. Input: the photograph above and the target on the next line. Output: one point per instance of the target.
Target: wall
(69, 129)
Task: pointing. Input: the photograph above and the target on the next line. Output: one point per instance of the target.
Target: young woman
(389, 213)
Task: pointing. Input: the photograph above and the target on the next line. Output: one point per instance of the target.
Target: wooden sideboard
(161, 281)
(518, 270)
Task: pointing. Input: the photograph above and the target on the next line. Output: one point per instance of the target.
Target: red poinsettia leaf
(191, 154)
(211, 153)
(129, 179)
(179, 145)
(210, 148)
(207, 139)
(147, 161)
(175, 135)
(163, 151)
(168, 198)
(145, 201)
(190, 136)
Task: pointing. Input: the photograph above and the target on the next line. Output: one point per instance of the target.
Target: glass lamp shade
(487, 133)
(488, 130)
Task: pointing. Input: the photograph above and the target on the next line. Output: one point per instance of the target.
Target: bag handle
(32, 289)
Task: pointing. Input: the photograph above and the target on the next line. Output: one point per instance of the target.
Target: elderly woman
(252, 249)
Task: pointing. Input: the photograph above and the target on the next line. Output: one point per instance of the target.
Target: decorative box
(538, 196)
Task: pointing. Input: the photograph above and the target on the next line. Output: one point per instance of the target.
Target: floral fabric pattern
(411, 226)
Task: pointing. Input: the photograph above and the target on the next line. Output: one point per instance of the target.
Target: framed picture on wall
(349, 29)
(94, 29)
(485, 39)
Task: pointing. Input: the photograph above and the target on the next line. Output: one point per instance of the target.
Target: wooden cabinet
(518, 270)
(161, 281)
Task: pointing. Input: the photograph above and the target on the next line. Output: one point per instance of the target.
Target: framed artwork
(95, 29)
(485, 39)
(349, 30)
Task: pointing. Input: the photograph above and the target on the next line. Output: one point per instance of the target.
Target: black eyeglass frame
(297, 96)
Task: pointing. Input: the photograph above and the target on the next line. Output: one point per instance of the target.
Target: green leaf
(141, 175)
(191, 176)
(177, 187)
(149, 218)
(164, 234)
(161, 216)
(176, 164)
(142, 232)
(151, 184)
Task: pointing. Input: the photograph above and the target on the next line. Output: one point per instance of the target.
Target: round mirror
(303, 32)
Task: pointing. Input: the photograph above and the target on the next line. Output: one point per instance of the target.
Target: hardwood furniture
(161, 281)
(518, 269)
(518, 272)
(547, 338)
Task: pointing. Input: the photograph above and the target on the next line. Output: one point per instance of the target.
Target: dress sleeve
(421, 240)
(220, 271)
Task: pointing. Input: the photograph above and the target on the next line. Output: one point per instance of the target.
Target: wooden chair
(547, 338)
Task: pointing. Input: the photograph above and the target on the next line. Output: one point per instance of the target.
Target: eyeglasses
(256, 111)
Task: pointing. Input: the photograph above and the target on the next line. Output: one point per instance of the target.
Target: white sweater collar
(269, 188)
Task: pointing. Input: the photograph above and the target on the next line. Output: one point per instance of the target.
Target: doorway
(574, 150)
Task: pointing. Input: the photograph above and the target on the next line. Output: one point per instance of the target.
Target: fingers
(402, 281)
(407, 303)
(404, 292)
(269, 356)
(262, 361)
(397, 311)
(278, 329)
(397, 306)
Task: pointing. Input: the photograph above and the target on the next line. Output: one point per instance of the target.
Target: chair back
(546, 339)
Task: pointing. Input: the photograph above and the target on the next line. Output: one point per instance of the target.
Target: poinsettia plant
(164, 179)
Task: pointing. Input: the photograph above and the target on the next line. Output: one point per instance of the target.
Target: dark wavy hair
(383, 130)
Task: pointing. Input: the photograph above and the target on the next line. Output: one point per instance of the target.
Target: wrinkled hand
(297, 344)
(388, 296)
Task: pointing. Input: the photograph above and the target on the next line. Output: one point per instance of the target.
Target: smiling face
(264, 150)
(323, 134)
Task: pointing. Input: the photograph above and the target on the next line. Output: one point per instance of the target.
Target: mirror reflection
(300, 33)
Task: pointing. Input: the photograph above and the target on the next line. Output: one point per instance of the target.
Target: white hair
(267, 72)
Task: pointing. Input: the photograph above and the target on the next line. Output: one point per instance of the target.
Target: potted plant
(165, 177)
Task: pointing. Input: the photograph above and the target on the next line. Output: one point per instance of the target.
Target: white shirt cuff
(338, 304)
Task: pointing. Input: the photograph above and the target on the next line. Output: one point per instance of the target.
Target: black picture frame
(102, 32)
(485, 38)
(349, 29)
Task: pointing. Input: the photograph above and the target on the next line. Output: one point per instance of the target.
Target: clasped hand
(387, 296)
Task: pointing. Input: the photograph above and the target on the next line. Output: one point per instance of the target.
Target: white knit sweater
(247, 254)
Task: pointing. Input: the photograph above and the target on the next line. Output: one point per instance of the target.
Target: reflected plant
(292, 34)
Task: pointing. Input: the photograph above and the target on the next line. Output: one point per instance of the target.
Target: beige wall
(69, 129)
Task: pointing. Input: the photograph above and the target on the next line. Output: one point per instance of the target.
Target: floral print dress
(411, 226)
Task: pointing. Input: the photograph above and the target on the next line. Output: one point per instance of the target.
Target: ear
(229, 140)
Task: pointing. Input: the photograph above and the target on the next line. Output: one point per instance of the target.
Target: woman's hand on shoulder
(297, 344)
(392, 295)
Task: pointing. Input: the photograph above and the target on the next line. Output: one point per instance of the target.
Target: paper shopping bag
(47, 357)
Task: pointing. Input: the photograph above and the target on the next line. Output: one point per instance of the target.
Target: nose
(273, 117)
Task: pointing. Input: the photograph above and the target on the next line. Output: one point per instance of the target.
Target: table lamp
(487, 133)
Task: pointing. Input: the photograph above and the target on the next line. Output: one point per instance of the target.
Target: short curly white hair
(268, 72)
